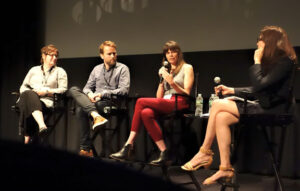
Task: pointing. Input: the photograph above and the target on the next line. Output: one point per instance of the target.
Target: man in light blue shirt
(110, 77)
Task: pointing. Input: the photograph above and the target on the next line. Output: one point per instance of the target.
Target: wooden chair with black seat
(116, 108)
(52, 117)
(268, 123)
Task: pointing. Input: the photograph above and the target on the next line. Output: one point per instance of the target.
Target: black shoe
(124, 154)
(162, 160)
(43, 131)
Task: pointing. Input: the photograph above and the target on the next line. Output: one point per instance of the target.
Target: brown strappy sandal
(189, 167)
(223, 179)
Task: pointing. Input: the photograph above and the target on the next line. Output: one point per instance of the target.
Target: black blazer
(272, 90)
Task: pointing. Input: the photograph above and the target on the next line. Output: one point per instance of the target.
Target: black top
(272, 90)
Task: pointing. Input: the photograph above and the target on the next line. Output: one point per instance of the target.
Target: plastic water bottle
(210, 101)
(199, 105)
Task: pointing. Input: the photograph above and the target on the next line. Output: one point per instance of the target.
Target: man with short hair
(110, 77)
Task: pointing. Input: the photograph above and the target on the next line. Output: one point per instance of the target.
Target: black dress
(271, 91)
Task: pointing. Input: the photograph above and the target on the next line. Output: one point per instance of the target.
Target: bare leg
(26, 139)
(131, 138)
(222, 105)
(223, 121)
(161, 145)
(39, 118)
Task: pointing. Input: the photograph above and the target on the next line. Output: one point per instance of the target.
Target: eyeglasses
(52, 54)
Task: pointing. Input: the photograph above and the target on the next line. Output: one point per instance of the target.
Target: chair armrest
(190, 100)
(59, 100)
(120, 100)
(16, 96)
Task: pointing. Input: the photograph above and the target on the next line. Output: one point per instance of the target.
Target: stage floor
(246, 182)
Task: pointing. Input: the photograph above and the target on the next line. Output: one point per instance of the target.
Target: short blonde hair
(106, 43)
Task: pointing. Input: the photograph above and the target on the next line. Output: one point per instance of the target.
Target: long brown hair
(277, 45)
(174, 46)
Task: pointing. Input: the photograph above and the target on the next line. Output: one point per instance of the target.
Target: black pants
(28, 103)
(83, 113)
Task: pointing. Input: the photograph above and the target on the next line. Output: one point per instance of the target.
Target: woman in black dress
(270, 76)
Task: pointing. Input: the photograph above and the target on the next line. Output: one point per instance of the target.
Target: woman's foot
(224, 174)
(124, 154)
(203, 158)
(163, 159)
(43, 130)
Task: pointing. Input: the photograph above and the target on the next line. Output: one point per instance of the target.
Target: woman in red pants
(178, 79)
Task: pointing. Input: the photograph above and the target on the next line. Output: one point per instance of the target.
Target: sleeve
(25, 85)
(281, 70)
(123, 85)
(62, 82)
(238, 91)
(91, 83)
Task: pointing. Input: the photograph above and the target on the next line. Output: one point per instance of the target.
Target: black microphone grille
(217, 80)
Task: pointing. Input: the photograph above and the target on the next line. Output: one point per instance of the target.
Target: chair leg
(273, 160)
(232, 184)
(194, 180)
(165, 172)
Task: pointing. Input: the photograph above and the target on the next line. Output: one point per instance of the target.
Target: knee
(27, 93)
(225, 118)
(218, 104)
(147, 113)
(139, 101)
(73, 89)
(221, 117)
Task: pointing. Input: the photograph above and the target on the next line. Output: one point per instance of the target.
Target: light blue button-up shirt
(116, 80)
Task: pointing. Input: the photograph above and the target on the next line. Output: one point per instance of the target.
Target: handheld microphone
(166, 65)
(217, 80)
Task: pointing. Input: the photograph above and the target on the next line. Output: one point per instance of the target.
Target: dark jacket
(272, 90)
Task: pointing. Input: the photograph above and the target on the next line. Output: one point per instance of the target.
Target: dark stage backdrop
(141, 26)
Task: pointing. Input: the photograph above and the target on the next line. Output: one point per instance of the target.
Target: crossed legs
(223, 113)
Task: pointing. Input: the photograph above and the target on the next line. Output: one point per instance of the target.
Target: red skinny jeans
(147, 110)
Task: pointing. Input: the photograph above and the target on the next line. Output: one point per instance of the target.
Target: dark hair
(277, 45)
(174, 46)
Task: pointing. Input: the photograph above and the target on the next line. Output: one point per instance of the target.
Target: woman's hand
(166, 75)
(259, 52)
(224, 90)
(41, 93)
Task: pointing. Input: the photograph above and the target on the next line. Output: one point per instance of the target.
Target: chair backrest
(291, 86)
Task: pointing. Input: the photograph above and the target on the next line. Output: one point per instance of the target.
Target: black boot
(162, 160)
(124, 154)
